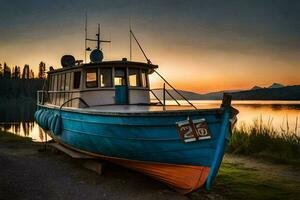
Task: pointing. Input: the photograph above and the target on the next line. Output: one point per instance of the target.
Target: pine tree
(25, 74)
(16, 72)
(42, 70)
(6, 71)
(1, 71)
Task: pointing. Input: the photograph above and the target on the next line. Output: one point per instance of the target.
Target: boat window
(68, 80)
(62, 82)
(144, 78)
(91, 78)
(105, 77)
(134, 77)
(76, 78)
(120, 78)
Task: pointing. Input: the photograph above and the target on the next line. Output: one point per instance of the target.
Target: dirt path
(27, 173)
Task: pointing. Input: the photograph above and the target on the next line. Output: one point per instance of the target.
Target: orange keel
(183, 178)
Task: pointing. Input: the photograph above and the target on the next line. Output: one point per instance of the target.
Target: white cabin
(104, 83)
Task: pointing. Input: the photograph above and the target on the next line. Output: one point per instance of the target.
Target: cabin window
(134, 77)
(105, 77)
(120, 78)
(62, 82)
(76, 80)
(68, 80)
(91, 78)
(144, 78)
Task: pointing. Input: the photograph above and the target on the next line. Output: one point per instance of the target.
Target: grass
(262, 140)
(6, 137)
(238, 182)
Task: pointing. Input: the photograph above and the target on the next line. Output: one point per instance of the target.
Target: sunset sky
(199, 46)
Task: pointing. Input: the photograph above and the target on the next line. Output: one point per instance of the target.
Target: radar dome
(96, 56)
(67, 61)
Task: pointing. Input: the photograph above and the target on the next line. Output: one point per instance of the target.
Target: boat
(106, 109)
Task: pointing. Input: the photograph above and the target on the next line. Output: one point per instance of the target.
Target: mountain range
(274, 92)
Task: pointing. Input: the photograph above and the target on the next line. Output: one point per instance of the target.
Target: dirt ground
(26, 172)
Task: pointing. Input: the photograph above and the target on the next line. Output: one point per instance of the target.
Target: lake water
(279, 113)
(18, 118)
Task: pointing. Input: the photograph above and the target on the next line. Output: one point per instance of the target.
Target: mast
(97, 40)
(98, 37)
(85, 41)
(130, 40)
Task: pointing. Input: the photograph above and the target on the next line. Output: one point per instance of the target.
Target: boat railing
(51, 97)
(165, 81)
(153, 93)
(75, 98)
(42, 97)
(165, 91)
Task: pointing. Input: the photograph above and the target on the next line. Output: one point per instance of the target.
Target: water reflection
(17, 116)
(25, 129)
(283, 114)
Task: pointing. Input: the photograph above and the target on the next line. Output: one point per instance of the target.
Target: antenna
(98, 40)
(130, 43)
(98, 37)
(109, 51)
(85, 39)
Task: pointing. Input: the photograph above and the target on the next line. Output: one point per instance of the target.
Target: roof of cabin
(118, 63)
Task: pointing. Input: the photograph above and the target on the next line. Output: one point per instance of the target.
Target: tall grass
(261, 139)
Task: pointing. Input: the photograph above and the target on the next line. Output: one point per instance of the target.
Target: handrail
(156, 96)
(172, 97)
(174, 88)
(41, 100)
(79, 98)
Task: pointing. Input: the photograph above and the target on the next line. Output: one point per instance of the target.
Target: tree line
(14, 84)
(15, 72)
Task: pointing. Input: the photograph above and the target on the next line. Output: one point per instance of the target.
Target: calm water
(18, 118)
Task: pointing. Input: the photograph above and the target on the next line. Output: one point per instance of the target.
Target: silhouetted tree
(16, 72)
(1, 71)
(42, 70)
(6, 71)
(25, 74)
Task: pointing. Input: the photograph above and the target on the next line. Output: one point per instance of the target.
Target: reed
(262, 140)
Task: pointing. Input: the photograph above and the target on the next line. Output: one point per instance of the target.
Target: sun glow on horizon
(196, 51)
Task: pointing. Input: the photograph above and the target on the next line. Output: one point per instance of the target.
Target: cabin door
(121, 87)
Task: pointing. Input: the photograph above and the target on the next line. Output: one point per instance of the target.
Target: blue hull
(145, 137)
